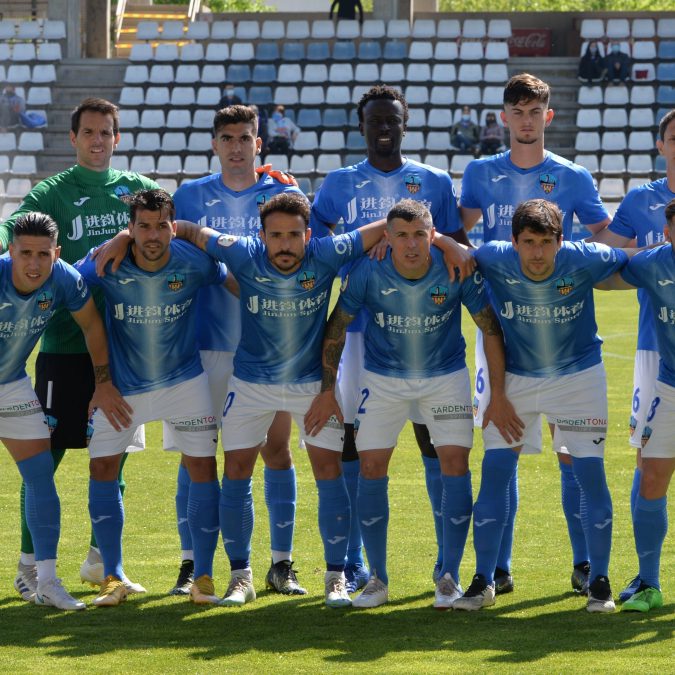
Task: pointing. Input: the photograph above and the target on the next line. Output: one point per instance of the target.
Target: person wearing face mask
(465, 134)
(617, 64)
(281, 131)
(491, 136)
(229, 98)
(591, 65)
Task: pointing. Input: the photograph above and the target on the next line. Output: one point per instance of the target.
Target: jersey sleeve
(73, 285)
(623, 218)
(324, 214)
(354, 287)
(447, 220)
(340, 250)
(589, 207)
(634, 271)
(605, 260)
(474, 297)
(468, 197)
(233, 251)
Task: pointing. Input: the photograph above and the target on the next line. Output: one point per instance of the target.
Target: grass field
(541, 627)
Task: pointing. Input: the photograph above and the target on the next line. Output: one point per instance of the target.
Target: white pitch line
(618, 356)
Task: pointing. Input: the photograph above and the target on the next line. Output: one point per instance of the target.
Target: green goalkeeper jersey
(86, 206)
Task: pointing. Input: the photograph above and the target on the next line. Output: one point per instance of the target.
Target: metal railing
(119, 18)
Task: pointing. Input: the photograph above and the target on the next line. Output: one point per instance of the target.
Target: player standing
(493, 187)
(85, 202)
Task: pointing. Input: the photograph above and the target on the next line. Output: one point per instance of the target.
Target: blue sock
(650, 524)
(432, 477)
(456, 507)
(635, 488)
(374, 515)
(236, 521)
(334, 516)
(107, 520)
(43, 509)
(596, 512)
(350, 470)
(182, 493)
(202, 512)
(571, 503)
(280, 497)
(506, 545)
(491, 509)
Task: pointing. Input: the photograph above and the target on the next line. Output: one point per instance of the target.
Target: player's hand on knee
(503, 415)
(114, 250)
(323, 407)
(109, 400)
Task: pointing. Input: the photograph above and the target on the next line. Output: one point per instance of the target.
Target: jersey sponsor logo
(81, 201)
(307, 280)
(352, 211)
(548, 182)
(211, 202)
(666, 315)
(252, 304)
(4, 305)
(439, 294)
(125, 281)
(565, 285)
(507, 312)
(226, 240)
(122, 190)
(45, 300)
(175, 281)
(496, 179)
(665, 282)
(389, 291)
(363, 183)
(77, 230)
(653, 207)
(413, 183)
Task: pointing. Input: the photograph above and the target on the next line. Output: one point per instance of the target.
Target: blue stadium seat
(665, 72)
(355, 141)
(353, 158)
(395, 51)
(344, 51)
(267, 51)
(260, 95)
(334, 118)
(667, 50)
(238, 72)
(370, 51)
(263, 72)
(305, 184)
(292, 52)
(309, 118)
(665, 95)
(354, 118)
(318, 51)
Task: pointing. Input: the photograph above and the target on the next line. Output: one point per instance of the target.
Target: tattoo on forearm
(487, 321)
(101, 373)
(333, 344)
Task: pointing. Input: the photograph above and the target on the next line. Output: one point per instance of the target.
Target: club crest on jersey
(44, 300)
(646, 434)
(307, 280)
(260, 200)
(475, 406)
(122, 190)
(175, 282)
(226, 240)
(632, 424)
(413, 183)
(439, 294)
(547, 182)
(565, 285)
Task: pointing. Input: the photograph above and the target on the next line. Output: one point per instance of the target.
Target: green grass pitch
(541, 627)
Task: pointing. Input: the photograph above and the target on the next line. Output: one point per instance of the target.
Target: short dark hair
(665, 121)
(670, 212)
(538, 215)
(234, 114)
(149, 200)
(379, 92)
(35, 224)
(524, 88)
(292, 203)
(99, 105)
(410, 210)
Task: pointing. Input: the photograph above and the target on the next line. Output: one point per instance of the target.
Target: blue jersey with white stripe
(414, 326)
(283, 316)
(641, 216)
(151, 317)
(496, 186)
(23, 318)
(549, 326)
(209, 202)
(360, 194)
(654, 272)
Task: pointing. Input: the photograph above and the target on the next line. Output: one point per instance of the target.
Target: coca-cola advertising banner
(530, 42)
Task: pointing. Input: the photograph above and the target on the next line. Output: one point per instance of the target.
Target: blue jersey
(496, 186)
(283, 315)
(209, 202)
(654, 272)
(150, 317)
(641, 216)
(549, 326)
(23, 318)
(360, 194)
(414, 326)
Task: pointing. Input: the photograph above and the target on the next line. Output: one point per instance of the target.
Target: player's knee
(372, 467)
(104, 468)
(201, 469)
(454, 461)
(564, 458)
(276, 454)
(653, 484)
(239, 466)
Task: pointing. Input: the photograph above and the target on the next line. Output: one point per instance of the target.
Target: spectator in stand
(592, 64)
(281, 132)
(11, 107)
(465, 134)
(346, 9)
(617, 64)
(229, 98)
(491, 136)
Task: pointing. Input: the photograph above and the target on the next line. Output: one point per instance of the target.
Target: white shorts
(251, 407)
(576, 404)
(659, 429)
(645, 372)
(218, 367)
(444, 403)
(349, 375)
(481, 398)
(185, 406)
(21, 415)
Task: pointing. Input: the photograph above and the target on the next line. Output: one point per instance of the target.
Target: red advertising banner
(530, 42)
